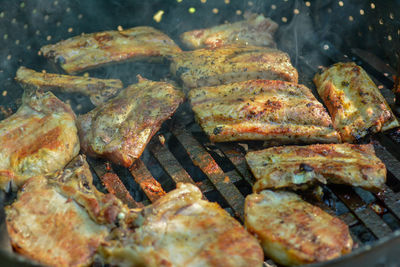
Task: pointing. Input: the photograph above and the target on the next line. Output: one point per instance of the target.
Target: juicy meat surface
(40, 138)
(181, 229)
(227, 64)
(294, 232)
(354, 102)
(120, 129)
(61, 219)
(92, 50)
(262, 110)
(294, 166)
(99, 90)
(254, 30)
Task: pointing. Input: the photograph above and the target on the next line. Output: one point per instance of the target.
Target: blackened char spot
(217, 130)
(181, 70)
(305, 168)
(344, 83)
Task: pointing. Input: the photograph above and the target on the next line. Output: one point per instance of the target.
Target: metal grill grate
(227, 178)
(180, 152)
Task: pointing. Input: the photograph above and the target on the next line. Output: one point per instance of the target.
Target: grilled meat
(354, 102)
(181, 229)
(92, 50)
(120, 129)
(99, 90)
(262, 110)
(40, 138)
(226, 64)
(294, 166)
(255, 30)
(60, 220)
(294, 232)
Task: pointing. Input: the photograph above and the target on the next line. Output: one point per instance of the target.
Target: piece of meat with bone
(87, 51)
(120, 129)
(40, 138)
(354, 102)
(298, 166)
(294, 232)
(269, 110)
(181, 229)
(227, 64)
(254, 30)
(61, 219)
(99, 90)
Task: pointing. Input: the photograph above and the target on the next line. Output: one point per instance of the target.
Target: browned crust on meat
(354, 102)
(99, 90)
(61, 219)
(294, 232)
(181, 229)
(227, 64)
(262, 110)
(87, 51)
(291, 166)
(120, 129)
(254, 30)
(40, 138)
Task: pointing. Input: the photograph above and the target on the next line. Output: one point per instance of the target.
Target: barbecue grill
(314, 33)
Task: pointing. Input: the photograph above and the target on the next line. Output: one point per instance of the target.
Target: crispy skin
(99, 90)
(181, 229)
(60, 220)
(294, 166)
(40, 138)
(294, 232)
(354, 102)
(92, 50)
(262, 110)
(227, 64)
(120, 129)
(255, 30)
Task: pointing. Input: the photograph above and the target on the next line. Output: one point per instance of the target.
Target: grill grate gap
(366, 196)
(158, 172)
(390, 220)
(213, 150)
(215, 196)
(244, 187)
(392, 182)
(183, 158)
(131, 185)
(362, 234)
(96, 180)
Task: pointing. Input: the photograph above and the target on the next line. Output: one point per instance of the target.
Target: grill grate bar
(169, 163)
(113, 183)
(366, 215)
(236, 157)
(206, 163)
(392, 201)
(239, 161)
(151, 187)
(115, 186)
(390, 161)
(173, 168)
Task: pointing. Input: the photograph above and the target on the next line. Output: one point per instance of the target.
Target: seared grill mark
(49, 140)
(263, 110)
(225, 64)
(88, 51)
(291, 166)
(354, 101)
